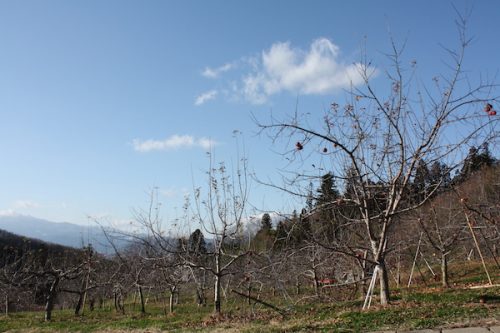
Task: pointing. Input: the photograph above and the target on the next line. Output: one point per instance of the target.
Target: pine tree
(420, 184)
(196, 243)
(310, 198)
(328, 191)
(439, 176)
(266, 222)
(475, 160)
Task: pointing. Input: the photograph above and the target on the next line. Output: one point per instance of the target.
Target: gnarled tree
(381, 136)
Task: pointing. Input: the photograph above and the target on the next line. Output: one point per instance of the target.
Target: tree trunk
(217, 294)
(79, 304)
(171, 300)
(249, 289)
(363, 272)
(315, 283)
(217, 287)
(6, 304)
(384, 283)
(49, 305)
(444, 271)
(141, 298)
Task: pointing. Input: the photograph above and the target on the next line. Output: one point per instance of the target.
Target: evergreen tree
(327, 195)
(310, 197)
(420, 184)
(439, 175)
(266, 222)
(327, 192)
(281, 233)
(265, 237)
(196, 243)
(475, 160)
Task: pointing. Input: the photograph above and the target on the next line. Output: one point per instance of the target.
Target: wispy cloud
(205, 97)
(213, 73)
(8, 212)
(19, 207)
(318, 70)
(174, 192)
(25, 204)
(173, 142)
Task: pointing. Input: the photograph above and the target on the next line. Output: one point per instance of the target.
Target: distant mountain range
(64, 233)
(77, 236)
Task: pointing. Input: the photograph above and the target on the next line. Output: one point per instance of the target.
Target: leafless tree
(443, 226)
(380, 138)
(220, 211)
(43, 270)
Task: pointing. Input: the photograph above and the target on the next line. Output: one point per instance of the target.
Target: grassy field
(418, 307)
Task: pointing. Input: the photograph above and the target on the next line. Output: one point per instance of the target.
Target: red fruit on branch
(492, 113)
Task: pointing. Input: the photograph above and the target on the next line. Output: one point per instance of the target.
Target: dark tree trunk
(49, 305)
(141, 298)
(315, 283)
(79, 304)
(444, 271)
(297, 287)
(6, 304)
(249, 289)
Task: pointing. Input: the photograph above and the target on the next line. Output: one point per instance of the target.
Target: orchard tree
(383, 134)
(220, 209)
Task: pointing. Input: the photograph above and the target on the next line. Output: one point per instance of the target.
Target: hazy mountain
(64, 233)
(77, 236)
(252, 223)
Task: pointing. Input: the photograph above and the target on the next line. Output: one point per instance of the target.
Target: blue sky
(101, 101)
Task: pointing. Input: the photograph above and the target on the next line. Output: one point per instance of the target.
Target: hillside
(66, 234)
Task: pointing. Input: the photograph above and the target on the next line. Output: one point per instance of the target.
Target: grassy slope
(411, 308)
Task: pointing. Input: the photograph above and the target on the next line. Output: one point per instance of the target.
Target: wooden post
(428, 266)
(415, 260)
(476, 243)
(368, 299)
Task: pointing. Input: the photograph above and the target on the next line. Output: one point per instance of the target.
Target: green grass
(410, 310)
(413, 308)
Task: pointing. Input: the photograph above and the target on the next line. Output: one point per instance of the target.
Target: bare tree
(380, 138)
(220, 211)
(44, 270)
(443, 226)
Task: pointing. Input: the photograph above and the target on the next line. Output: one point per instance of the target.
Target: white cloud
(19, 207)
(25, 204)
(205, 97)
(172, 143)
(213, 73)
(313, 72)
(8, 212)
(318, 70)
(169, 192)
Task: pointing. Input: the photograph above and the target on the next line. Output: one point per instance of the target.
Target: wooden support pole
(415, 259)
(476, 243)
(269, 305)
